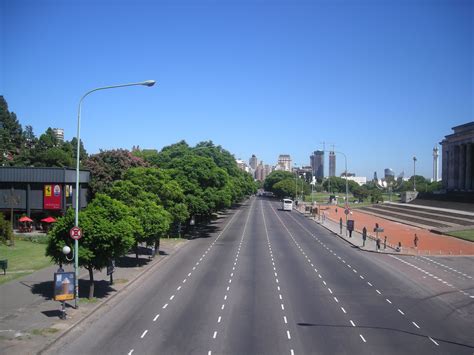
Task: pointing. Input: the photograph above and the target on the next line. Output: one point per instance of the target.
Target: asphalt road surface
(265, 281)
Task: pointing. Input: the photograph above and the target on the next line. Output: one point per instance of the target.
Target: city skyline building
(253, 162)
(59, 134)
(317, 163)
(284, 162)
(332, 164)
(435, 163)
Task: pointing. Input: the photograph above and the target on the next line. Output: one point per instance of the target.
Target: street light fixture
(148, 83)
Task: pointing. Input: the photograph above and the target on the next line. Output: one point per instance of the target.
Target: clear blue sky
(383, 80)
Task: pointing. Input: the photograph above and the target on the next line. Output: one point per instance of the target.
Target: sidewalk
(29, 317)
(429, 243)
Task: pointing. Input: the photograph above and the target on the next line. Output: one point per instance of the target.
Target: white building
(361, 180)
(284, 162)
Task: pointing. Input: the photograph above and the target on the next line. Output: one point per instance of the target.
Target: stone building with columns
(458, 158)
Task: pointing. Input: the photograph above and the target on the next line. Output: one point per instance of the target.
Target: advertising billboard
(52, 197)
(64, 286)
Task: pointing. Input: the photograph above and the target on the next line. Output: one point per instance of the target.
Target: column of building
(468, 176)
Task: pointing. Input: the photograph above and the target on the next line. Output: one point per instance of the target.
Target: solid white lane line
(399, 310)
(156, 317)
(363, 339)
(144, 333)
(433, 341)
(352, 323)
(416, 325)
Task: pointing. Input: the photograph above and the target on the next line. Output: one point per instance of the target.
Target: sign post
(75, 233)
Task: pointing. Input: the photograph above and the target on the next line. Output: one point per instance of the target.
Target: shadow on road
(384, 328)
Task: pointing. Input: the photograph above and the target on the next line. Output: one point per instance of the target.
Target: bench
(4, 266)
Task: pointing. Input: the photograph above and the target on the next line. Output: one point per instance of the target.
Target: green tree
(108, 233)
(6, 232)
(284, 188)
(11, 135)
(109, 166)
(275, 177)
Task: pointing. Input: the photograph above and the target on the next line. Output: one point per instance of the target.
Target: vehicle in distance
(287, 204)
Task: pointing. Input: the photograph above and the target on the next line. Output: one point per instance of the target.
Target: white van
(287, 204)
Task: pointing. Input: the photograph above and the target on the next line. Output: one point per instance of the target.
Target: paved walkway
(428, 244)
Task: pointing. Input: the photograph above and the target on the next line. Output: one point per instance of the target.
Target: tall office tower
(284, 162)
(435, 163)
(389, 174)
(253, 162)
(317, 164)
(375, 176)
(332, 164)
(59, 134)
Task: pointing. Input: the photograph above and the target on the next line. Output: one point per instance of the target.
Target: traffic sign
(347, 211)
(75, 233)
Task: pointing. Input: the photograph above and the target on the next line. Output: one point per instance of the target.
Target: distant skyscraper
(389, 174)
(284, 162)
(332, 164)
(375, 176)
(435, 163)
(253, 162)
(317, 164)
(59, 134)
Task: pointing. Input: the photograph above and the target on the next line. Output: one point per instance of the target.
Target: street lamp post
(148, 83)
(414, 173)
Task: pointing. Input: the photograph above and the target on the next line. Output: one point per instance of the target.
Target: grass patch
(88, 300)
(120, 281)
(466, 235)
(23, 259)
(44, 331)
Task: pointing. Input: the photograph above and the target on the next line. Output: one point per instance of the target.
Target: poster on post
(64, 286)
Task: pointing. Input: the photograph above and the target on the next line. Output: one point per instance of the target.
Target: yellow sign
(47, 190)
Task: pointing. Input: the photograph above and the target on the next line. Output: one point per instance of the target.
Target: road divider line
(144, 333)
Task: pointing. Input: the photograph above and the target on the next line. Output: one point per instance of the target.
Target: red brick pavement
(428, 242)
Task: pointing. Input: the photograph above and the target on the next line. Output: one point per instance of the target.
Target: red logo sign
(75, 233)
(52, 197)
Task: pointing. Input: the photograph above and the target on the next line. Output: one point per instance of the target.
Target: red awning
(49, 220)
(25, 219)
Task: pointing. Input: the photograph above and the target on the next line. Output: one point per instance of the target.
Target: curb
(100, 305)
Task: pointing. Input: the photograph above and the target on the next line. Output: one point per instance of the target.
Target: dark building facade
(458, 158)
(40, 192)
(317, 164)
(332, 164)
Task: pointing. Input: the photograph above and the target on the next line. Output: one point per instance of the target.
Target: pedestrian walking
(415, 241)
(385, 243)
(399, 247)
(336, 210)
(364, 236)
(377, 244)
(340, 225)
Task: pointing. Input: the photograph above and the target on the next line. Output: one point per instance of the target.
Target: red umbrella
(49, 220)
(25, 219)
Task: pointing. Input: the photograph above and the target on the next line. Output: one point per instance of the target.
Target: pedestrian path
(397, 233)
